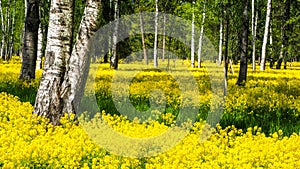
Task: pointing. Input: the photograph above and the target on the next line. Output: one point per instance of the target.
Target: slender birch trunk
(114, 58)
(193, 39)
(155, 58)
(2, 31)
(227, 23)
(264, 46)
(221, 42)
(11, 44)
(48, 100)
(253, 23)
(271, 46)
(30, 40)
(164, 37)
(143, 38)
(201, 35)
(39, 48)
(7, 30)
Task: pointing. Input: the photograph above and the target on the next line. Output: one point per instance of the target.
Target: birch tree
(11, 43)
(63, 76)
(39, 48)
(2, 31)
(221, 35)
(254, 25)
(265, 40)
(155, 58)
(143, 34)
(30, 40)
(114, 57)
(201, 34)
(48, 100)
(192, 40)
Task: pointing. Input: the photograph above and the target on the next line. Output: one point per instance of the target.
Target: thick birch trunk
(264, 46)
(77, 68)
(193, 42)
(201, 35)
(114, 58)
(155, 36)
(48, 100)
(30, 40)
(143, 38)
(244, 46)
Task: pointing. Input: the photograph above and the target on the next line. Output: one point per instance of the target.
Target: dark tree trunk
(243, 59)
(285, 38)
(30, 40)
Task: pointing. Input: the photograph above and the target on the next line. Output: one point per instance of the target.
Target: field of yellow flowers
(270, 100)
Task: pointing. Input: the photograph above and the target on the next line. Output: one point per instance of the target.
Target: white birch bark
(2, 31)
(155, 36)
(48, 100)
(7, 30)
(220, 42)
(39, 49)
(114, 59)
(164, 38)
(193, 40)
(77, 68)
(253, 33)
(201, 35)
(265, 40)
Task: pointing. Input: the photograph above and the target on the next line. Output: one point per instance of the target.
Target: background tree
(30, 40)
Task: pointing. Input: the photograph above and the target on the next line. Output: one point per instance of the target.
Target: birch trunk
(39, 48)
(271, 46)
(2, 31)
(155, 36)
(30, 40)
(221, 42)
(253, 23)
(77, 68)
(201, 35)
(244, 46)
(114, 58)
(143, 38)
(7, 30)
(192, 40)
(164, 38)
(264, 46)
(11, 44)
(48, 100)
